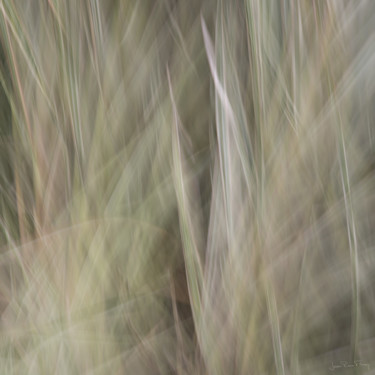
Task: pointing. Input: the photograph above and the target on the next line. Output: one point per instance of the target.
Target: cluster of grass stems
(187, 187)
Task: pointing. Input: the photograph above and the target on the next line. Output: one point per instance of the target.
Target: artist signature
(345, 364)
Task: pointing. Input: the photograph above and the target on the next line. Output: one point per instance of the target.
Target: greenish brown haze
(187, 187)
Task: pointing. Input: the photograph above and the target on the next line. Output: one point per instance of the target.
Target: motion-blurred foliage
(187, 187)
